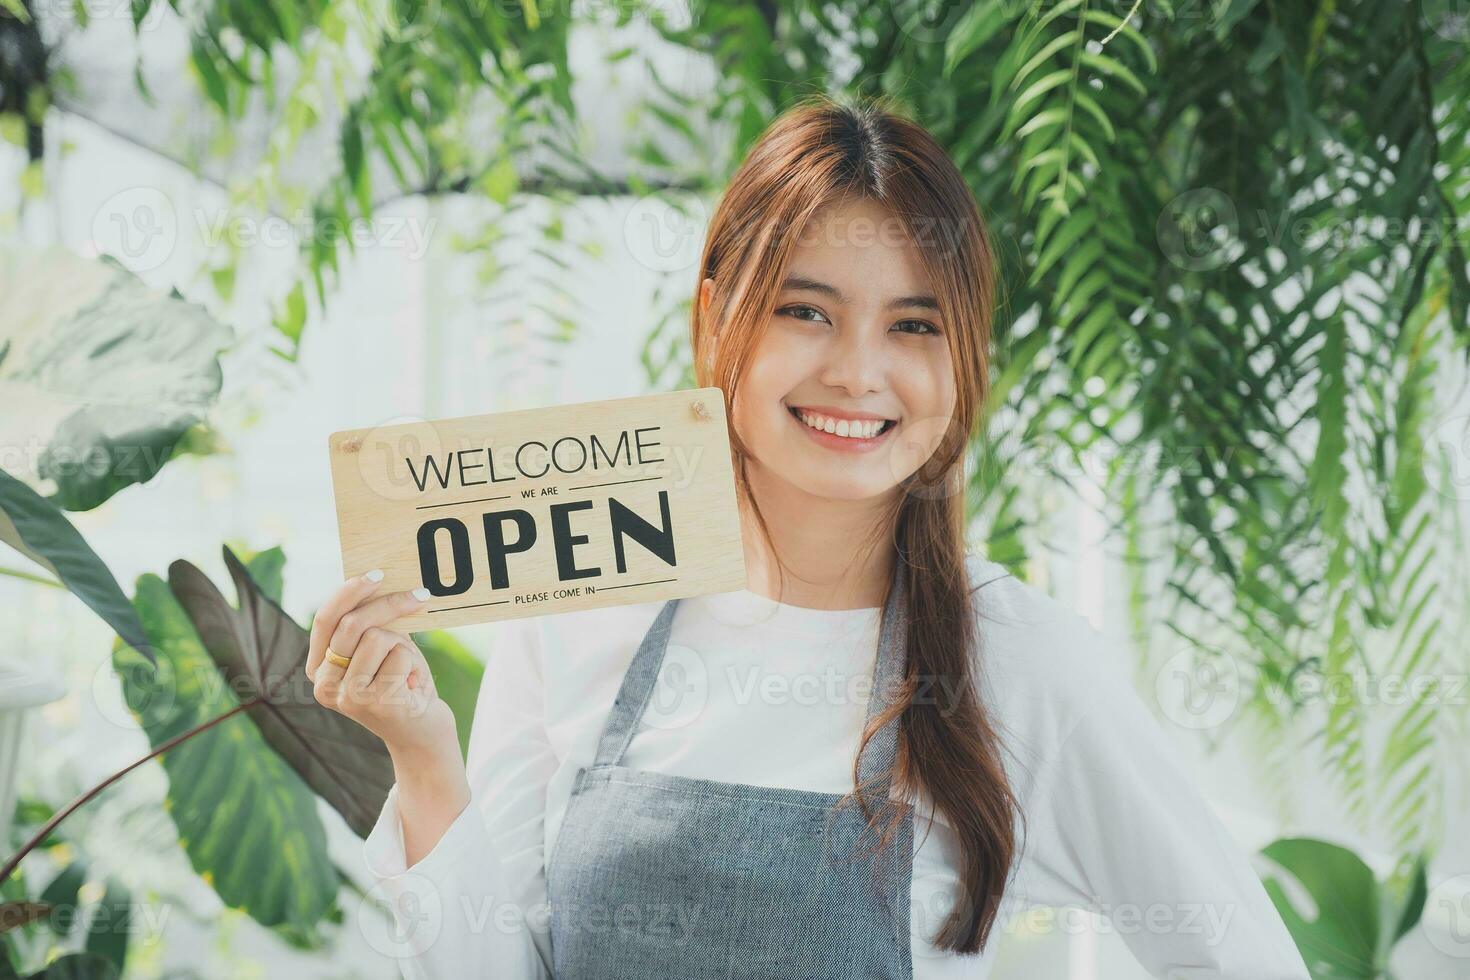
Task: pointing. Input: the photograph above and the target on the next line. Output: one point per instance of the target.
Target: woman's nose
(856, 363)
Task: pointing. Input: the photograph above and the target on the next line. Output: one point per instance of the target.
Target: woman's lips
(830, 440)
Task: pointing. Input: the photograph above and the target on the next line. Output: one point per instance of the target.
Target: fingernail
(421, 594)
(376, 575)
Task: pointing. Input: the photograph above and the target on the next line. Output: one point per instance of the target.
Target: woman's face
(854, 343)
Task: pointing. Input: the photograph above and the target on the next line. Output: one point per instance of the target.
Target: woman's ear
(706, 293)
(706, 297)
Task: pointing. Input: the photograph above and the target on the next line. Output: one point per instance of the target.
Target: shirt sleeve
(476, 903)
(1137, 843)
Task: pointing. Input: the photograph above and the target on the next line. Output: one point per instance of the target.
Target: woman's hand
(388, 688)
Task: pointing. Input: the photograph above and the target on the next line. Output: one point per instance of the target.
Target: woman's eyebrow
(817, 286)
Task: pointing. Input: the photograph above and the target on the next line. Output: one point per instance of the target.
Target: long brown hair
(819, 152)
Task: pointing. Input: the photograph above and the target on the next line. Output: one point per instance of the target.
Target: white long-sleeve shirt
(756, 691)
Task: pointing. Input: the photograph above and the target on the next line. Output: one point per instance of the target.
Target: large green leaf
(262, 652)
(103, 379)
(1339, 941)
(61, 895)
(15, 914)
(110, 926)
(34, 526)
(457, 675)
(1356, 920)
(247, 821)
(72, 966)
(267, 569)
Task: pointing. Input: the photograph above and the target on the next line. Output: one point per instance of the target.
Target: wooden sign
(544, 510)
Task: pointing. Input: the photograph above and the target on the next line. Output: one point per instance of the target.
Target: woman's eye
(924, 326)
(799, 310)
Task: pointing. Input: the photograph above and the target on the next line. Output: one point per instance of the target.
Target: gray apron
(662, 876)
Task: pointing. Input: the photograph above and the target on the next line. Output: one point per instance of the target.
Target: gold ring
(338, 659)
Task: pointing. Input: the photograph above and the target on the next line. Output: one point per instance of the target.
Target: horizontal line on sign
(477, 500)
(502, 602)
(473, 605)
(641, 479)
(634, 585)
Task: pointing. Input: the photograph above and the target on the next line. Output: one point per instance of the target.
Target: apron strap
(888, 672)
(637, 686)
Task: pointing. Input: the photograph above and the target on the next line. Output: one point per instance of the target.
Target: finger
(371, 650)
(379, 611)
(326, 681)
(396, 668)
(348, 595)
(422, 678)
(404, 678)
(419, 676)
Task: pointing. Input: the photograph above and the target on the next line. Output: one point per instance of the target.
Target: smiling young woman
(733, 785)
(833, 306)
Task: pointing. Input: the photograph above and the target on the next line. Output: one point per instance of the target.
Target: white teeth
(865, 429)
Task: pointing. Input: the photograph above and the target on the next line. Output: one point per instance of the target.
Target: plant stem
(65, 812)
(29, 577)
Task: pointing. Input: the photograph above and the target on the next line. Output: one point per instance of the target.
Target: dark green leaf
(262, 653)
(248, 823)
(34, 526)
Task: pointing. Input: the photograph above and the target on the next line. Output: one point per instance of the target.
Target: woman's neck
(838, 553)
